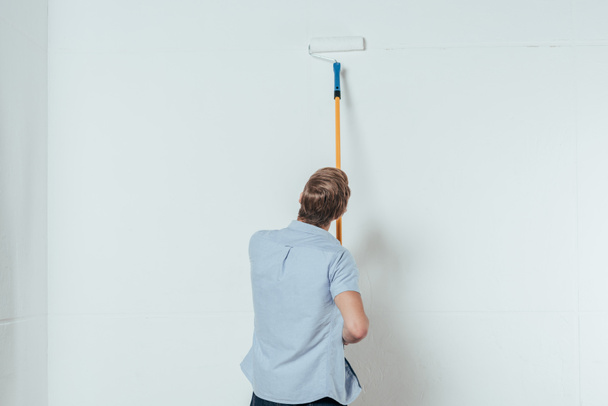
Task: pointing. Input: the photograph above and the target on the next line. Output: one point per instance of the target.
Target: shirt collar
(308, 228)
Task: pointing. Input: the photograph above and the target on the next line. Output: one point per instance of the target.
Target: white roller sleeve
(336, 44)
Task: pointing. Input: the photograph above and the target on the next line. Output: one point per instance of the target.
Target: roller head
(336, 44)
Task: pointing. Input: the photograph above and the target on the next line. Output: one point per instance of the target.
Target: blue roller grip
(337, 80)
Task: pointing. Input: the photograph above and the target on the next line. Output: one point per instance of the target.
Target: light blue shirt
(297, 354)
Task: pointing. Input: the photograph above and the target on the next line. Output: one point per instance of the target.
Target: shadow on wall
(8, 294)
(383, 361)
(8, 364)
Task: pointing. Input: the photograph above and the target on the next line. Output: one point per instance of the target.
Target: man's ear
(300, 199)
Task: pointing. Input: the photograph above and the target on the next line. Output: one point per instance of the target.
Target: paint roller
(336, 44)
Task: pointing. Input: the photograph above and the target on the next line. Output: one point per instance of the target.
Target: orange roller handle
(338, 162)
(338, 158)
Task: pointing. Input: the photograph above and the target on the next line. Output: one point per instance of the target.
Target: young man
(307, 304)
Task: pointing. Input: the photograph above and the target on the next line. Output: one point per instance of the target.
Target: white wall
(474, 137)
(23, 196)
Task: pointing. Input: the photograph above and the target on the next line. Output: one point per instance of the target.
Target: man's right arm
(356, 322)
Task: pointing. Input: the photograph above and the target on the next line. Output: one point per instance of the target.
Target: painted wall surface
(474, 135)
(23, 208)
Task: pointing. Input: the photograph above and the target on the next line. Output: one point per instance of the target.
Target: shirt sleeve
(343, 274)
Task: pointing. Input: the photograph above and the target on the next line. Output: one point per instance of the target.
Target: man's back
(297, 354)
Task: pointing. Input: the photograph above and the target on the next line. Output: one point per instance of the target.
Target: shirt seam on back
(336, 251)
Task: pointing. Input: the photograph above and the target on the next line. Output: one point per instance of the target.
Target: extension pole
(336, 44)
(338, 162)
(338, 156)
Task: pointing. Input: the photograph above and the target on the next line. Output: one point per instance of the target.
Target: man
(307, 304)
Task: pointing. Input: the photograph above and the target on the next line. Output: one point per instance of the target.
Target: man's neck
(326, 228)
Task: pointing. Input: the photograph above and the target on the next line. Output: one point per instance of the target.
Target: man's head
(324, 198)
